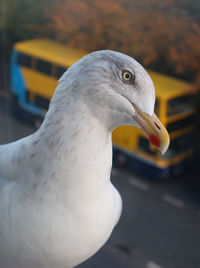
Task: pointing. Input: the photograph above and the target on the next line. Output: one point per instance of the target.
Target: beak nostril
(156, 125)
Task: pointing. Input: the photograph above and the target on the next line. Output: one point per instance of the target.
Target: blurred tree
(166, 36)
(89, 24)
(162, 34)
(19, 18)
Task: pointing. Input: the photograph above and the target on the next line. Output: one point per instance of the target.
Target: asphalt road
(160, 223)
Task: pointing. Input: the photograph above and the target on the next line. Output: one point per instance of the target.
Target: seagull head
(119, 91)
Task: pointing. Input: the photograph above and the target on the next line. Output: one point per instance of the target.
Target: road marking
(139, 184)
(151, 264)
(173, 201)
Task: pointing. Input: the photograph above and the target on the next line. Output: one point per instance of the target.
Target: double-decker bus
(36, 66)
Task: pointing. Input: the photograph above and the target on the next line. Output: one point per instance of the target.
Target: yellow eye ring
(127, 76)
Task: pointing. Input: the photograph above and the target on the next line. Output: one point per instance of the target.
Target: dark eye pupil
(127, 76)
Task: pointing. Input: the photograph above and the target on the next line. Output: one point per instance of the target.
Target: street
(160, 223)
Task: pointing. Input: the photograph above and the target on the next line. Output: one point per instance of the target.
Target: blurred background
(40, 39)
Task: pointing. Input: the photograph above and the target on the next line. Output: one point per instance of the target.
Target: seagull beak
(153, 128)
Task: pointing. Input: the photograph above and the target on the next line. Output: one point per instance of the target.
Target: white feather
(57, 204)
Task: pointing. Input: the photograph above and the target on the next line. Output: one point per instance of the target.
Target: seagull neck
(79, 144)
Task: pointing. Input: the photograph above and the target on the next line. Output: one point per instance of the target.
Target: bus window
(173, 126)
(43, 67)
(60, 71)
(144, 146)
(180, 104)
(24, 60)
(179, 145)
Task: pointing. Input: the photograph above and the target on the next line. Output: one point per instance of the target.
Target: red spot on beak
(154, 140)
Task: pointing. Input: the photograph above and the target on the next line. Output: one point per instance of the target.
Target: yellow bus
(37, 64)
(175, 107)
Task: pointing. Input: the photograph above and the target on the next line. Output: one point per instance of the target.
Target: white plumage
(57, 204)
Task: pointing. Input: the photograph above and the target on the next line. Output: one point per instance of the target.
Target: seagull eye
(127, 76)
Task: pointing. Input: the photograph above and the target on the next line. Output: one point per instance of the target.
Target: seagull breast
(57, 204)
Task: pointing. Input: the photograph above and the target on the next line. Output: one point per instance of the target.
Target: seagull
(57, 204)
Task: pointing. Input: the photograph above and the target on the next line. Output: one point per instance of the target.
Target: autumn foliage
(90, 24)
(163, 35)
